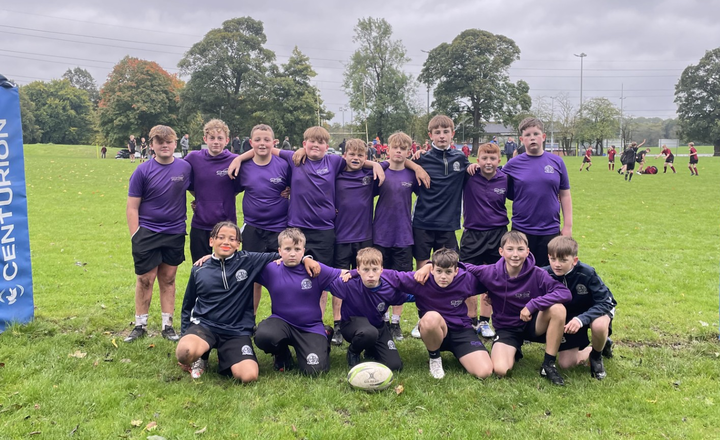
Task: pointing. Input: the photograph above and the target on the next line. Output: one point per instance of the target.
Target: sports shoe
(353, 358)
(283, 362)
(396, 332)
(415, 333)
(550, 372)
(337, 338)
(485, 330)
(136, 333)
(607, 350)
(436, 368)
(198, 368)
(597, 369)
(169, 333)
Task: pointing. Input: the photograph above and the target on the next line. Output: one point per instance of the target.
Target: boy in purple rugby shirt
(214, 193)
(296, 318)
(540, 188)
(527, 305)
(485, 223)
(156, 213)
(444, 322)
(364, 302)
(392, 227)
(265, 211)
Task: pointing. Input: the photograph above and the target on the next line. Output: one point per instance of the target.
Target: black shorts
(346, 254)
(150, 249)
(578, 340)
(538, 246)
(611, 160)
(670, 159)
(320, 244)
(481, 247)
(462, 342)
(259, 240)
(630, 166)
(427, 240)
(693, 161)
(586, 159)
(515, 336)
(132, 152)
(199, 243)
(397, 258)
(377, 342)
(274, 335)
(231, 349)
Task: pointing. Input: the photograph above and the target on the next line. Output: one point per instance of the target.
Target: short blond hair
(368, 256)
(400, 139)
(162, 133)
(356, 145)
(293, 234)
(441, 121)
(488, 148)
(216, 125)
(316, 133)
(262, 127)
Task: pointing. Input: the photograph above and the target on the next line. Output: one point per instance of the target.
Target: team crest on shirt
(367, 180)
(581, 289)
(241, 275)
(180, 178)
(312, 359)
(525, 294)
(406, 184)
(276, 180)
(221, 173)
(456, 302)
(306, 284)
(381, 307)
(323, 171)
(391, 345)
(247, 350)
(499, 191)
(549, 169)
(456, 166)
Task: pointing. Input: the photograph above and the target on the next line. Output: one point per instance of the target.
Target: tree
(568, 125)
(474, 68)
(293, 103)
(31, 131)
(375, 82)
(599, 122)
(83, 80)
(228, 71)
(62, 112)
(697, 95)
(138, 95)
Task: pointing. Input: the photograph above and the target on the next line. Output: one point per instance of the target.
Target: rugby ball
(370, 376)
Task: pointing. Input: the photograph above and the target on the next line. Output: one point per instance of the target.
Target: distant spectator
(103, 152)
(131, 148)
(236, 145)
(494, 140)
(466, 150)
(286, 144)
(246, 145)
(510, 147)
(185, 144)
(341, 146)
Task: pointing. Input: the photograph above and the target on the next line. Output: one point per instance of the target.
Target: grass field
(654, 241)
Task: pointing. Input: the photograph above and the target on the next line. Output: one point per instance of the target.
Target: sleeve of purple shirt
(564, 179)
(327, 276)
(338, 163)
(403, 281)
(135, 188)
(338, 288)
(554, 292)
(287, 156)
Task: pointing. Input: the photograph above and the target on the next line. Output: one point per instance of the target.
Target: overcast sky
(640, 45)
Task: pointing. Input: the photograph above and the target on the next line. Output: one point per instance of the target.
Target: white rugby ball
(370, 376)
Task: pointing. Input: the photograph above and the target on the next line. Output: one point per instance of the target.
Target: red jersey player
(693, 160)
(669, 159)
(611, 158)
(587, 159)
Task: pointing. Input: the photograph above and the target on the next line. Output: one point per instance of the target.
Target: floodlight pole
(581, 56)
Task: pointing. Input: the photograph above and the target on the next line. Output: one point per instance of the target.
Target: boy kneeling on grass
(592, 307)
(527, 305)
(217, 309)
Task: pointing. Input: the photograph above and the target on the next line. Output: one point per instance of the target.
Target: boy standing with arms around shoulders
(392, 227)
(156, 214)
(592, 307)
(527, 305)
(485, 224)
(540, 189)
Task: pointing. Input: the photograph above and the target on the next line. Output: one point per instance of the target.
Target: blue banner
(16, 288)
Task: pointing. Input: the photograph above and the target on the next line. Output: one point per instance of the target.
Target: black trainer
(353, 358)
(607, 350)
(283, 362)
(337, 338)
(396, 332)
(169, 333)
(550, 372)
(136, 333)
(597, 369)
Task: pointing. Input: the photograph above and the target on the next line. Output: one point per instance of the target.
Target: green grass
(654, 241)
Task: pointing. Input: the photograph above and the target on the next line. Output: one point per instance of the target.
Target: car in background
(331, 150)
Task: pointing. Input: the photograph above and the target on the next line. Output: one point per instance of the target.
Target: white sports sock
(167, 320)
(395, 319)
(141, 320)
